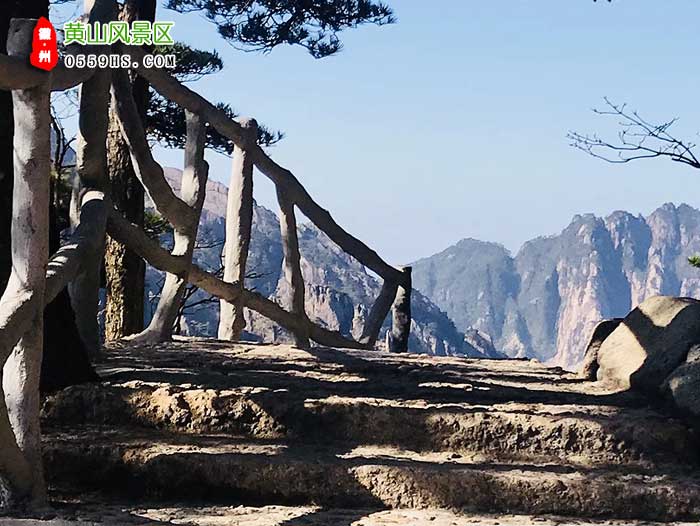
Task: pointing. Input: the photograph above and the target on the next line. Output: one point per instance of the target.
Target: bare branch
(637, 139)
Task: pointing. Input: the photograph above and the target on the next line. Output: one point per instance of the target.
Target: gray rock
(589, 367)
(683, 385)
(652, 341)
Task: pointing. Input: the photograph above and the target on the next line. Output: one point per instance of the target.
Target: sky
(452, 123)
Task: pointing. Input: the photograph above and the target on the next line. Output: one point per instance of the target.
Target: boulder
(683, 385)
(652, 341)
(589, 366)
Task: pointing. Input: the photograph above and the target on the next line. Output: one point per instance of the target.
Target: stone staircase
(212, 423)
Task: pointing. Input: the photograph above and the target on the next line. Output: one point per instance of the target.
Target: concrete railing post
(30, 252)
(397, 337)
(239, 223)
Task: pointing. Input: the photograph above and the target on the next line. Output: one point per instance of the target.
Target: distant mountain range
(545, 301)
(474, 298)
(339, 291)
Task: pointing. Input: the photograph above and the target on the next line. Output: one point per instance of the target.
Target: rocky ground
(302, 516)
(210, 433)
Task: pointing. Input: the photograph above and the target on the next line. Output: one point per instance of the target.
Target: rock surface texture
(211, 425)
(649, 344)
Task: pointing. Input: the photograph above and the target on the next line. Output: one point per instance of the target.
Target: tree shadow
(331, 518)
(64, 513)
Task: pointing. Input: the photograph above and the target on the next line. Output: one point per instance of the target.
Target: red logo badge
(44, 47)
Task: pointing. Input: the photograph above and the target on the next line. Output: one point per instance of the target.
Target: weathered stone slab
(498, 408)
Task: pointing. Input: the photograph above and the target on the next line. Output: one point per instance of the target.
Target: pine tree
(266, 24)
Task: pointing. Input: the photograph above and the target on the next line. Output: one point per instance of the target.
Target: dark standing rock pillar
(397, 337)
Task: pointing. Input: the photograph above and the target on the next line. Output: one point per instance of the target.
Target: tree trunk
(192, 192)
(30, 251)
(125, 271)
(239, 223)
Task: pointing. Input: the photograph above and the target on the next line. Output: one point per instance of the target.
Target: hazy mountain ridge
(545, 301)
(339, 291)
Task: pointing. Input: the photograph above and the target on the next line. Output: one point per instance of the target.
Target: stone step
(225, 470)
(581, 433)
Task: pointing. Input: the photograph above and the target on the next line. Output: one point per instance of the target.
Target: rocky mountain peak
(545, 301)
(475, 297)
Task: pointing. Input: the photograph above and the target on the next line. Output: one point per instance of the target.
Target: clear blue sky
(452, 122)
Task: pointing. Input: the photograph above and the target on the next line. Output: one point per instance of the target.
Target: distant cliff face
(339, 291)
(545, 301)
